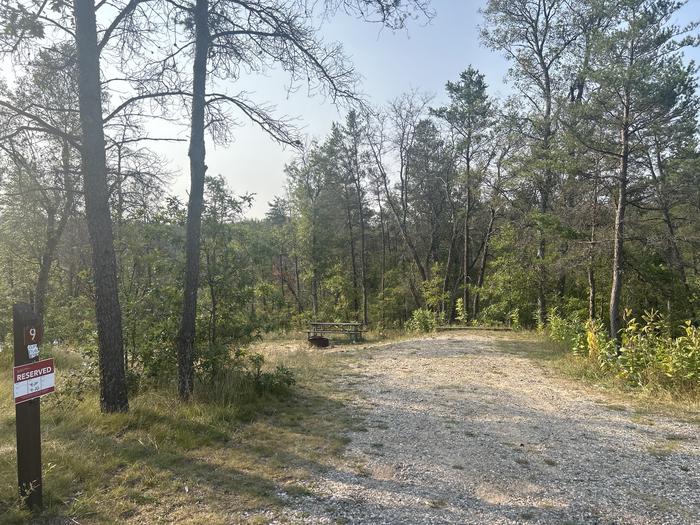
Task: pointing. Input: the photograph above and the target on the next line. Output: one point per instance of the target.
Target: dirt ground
(463, 428)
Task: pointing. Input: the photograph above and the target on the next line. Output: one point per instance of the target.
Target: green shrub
(642, 346)
(422, 320)
(514, 319)
(600, 349)
(570, 331)
(242, 379)
(461, 311)
(682, 358)
(649, 354)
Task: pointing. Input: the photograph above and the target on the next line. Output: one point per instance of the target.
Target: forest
(570, 203)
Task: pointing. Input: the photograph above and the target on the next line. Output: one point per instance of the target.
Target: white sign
(34, 380)
(33, 351)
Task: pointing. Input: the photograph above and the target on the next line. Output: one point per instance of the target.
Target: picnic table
(354, 330)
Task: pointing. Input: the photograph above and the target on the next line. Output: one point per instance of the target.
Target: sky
(422, 56)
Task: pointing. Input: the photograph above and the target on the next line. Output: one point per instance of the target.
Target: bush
(422, 320)
(599, 347)
(462, 315)
(649, 354)
(242, 380)
(682, 358)
(570, 331)
(514, 319)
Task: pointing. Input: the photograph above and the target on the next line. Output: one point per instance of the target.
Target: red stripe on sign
(33, 395)
(31, 370)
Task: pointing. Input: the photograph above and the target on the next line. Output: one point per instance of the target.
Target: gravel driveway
(459, 429)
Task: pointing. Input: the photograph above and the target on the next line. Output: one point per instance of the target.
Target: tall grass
(248, 433)
(650, 358)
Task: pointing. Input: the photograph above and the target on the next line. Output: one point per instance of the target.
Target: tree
(113, 391)
(26, 23)
(469, 117)
(640, 87)
(535, 35)
(43, 177)
(258, 34)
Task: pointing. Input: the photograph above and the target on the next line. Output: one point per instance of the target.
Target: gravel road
(461, 429)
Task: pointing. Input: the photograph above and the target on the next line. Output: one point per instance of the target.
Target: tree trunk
(113, 391)
(544, 189)
(448, 266)
(297, 282)
(382, 264)
(54, 232)
(211, 263)
(591, 289)
(659, 183)
(314, 268)
(353, 257)
(484, 258)
(198, 168)
(591, 257)
(618, 255)
(363, 247)
(466, 255)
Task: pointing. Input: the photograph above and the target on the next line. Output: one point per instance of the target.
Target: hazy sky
(421, 57)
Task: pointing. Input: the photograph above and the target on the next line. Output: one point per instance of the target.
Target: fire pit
(319, 341)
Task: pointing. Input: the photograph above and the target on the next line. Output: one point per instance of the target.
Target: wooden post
(27, 331)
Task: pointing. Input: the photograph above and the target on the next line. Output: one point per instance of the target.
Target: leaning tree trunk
(113, 391)
(448, 265)
(45, 263)
(197, 152)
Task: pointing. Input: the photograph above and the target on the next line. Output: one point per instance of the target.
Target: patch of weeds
(639, 419)
(614, 407)
(362, 470)
(677, 437)
(664, 504)
(654, 396)
(258, 520)
(662, 450)
(298, 491)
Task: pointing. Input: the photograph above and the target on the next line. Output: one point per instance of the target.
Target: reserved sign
(34, 380)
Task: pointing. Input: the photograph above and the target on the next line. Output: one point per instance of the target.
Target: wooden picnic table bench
(354, 330)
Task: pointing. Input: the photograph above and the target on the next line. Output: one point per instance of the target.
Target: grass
(654, 397)
(191, 463)
(227, 462)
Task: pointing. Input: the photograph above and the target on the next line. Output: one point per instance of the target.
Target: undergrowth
(650, 359)
(254, 429)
